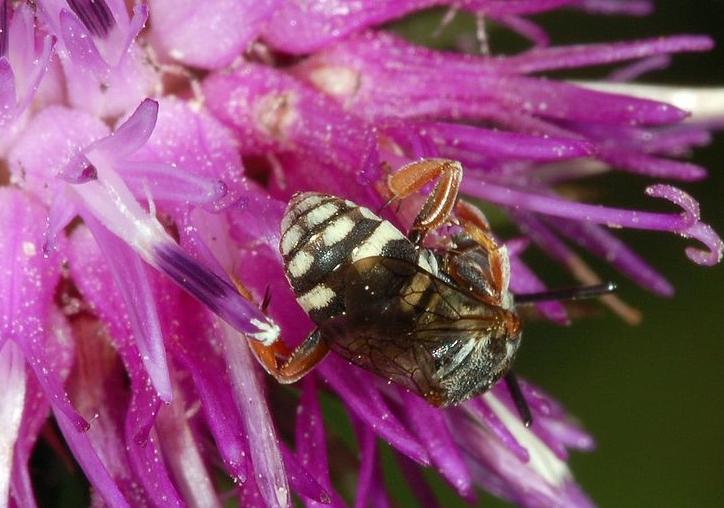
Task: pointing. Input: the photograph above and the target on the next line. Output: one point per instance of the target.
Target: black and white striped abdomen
(319, 233)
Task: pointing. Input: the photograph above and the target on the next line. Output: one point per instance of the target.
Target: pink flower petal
(266, 458)
(131, 278)
(53, 139)
(430, 424)
(12, 398)
(182, 454)
(131, 134)
(181, 29)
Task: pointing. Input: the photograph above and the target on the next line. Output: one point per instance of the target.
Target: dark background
(653, 394)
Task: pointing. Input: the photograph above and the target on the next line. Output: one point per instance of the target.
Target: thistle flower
(131, 325)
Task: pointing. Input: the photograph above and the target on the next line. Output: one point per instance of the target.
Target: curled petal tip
(690, 207)
(713, 242)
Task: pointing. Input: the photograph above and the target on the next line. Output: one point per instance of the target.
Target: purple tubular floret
(4, 24)
(586, 55)
(132, 327)
(432, 428)
(504, 145)
(209, 288)
(597, 214)
(625, 7)
(95, 15)
(388, 428)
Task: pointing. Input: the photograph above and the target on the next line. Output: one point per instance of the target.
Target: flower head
(142, 231)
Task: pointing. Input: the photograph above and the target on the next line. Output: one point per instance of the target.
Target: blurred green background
(653, 394)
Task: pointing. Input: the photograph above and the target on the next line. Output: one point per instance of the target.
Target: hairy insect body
(381, 302)
(320, 234)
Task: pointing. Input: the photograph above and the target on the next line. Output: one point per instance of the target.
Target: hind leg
(297, 363)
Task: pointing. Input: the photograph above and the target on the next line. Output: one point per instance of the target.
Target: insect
(440, 322)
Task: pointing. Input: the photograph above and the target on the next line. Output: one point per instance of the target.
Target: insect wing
(404, 323)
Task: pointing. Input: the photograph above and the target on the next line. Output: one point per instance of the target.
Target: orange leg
(303, 359)
(413, 176)
(477, 229)
(298, 362)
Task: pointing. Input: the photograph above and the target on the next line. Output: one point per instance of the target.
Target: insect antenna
(577, 293)
(518, 398)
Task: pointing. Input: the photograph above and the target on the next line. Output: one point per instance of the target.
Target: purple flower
(149, 169)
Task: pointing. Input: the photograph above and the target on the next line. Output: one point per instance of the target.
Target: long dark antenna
(518, 398)
(577, 293)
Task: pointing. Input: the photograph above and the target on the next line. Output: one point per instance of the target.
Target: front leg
(297, 364)
(415, 175)
(481, 265)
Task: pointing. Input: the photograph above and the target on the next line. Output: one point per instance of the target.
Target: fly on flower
(440, 322)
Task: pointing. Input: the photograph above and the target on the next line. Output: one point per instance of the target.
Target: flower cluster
(147, 157)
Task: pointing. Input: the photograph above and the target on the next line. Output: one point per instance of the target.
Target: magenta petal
(189, 153)
(378, 77)
(298, 28)
(131, 277)
(37, 74)
(29, 289)
(302, 481)
(612, 217)
(88, 459)
(654, 166)
(420, 489)
(137, 23)
(209, 35)
(192, 346)
(638, 69)
(183, 456)
(507, 7)
(625, 7)
(505, 145)
(370, 411)
(584, 55)
(131, 134)
(12, 398)
(271, 110)
(266, 457)
(431, 426)
(370, 491)
(35, 414)
(62, 345)
(62, 211)
(482, 411)
(310, 437)
(94, 279)
(79, 44)
(8, 98)
(167, 183)
(605, 245)
(148, 466)
(525, 28)
(53, 139)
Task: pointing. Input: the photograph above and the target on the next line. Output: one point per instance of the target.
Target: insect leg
(413, 176)
(518, 398)
(477, 229)
(303, 359)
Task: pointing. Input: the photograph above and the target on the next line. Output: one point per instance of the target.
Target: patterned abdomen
(320, 233)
